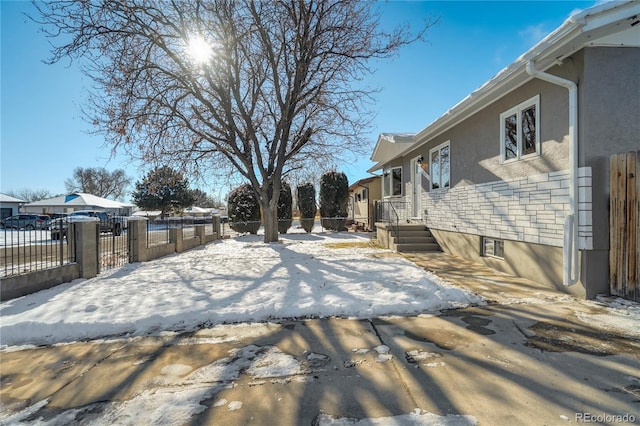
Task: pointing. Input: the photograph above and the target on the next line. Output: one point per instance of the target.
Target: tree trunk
(270, 220)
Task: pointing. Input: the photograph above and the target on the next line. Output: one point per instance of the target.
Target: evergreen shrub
(285, 202)
(307, 205)
(244, 210)
(334, 197)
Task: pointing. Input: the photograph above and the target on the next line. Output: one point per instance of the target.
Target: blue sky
(43, 136)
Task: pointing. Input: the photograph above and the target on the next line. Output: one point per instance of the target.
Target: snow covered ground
(243, 281)
(236, 280)
(21, 237)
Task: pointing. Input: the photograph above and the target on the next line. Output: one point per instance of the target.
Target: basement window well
(492, 247)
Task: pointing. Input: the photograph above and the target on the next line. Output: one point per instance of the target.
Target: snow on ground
(620, 315)
(230, 281)
(417, 418)
(22, 236)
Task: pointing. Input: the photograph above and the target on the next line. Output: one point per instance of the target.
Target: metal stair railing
(387, 213)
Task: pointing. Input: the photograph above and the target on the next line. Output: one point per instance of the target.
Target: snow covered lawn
(237, 280)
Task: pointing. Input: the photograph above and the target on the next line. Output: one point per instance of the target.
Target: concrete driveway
(531, 356)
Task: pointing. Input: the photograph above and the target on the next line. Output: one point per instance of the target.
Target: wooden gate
(624, 226)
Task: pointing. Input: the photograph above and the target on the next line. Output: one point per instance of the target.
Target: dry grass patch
(354, 244)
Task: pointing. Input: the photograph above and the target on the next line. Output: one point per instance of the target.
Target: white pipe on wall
(570, 267)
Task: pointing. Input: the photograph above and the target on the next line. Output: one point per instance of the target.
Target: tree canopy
(99, 181)
(233, 87)
(163, 189)
(202, 199)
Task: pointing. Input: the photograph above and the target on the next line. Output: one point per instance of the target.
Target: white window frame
(432, 174)
(401, 182)
(389, 172)
(492, 252)
(517, 110)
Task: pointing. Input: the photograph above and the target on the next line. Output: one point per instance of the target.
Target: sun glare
(199, 50)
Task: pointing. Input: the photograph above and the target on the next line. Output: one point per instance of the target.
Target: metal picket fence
(24, 250)
(113, 247)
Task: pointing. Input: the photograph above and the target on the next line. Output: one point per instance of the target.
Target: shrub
(334, 196)
(284, 208)
(244, 210)
(307, 205)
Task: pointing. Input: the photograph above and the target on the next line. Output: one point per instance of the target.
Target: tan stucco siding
(610, 121)
(537, 262)
(475, 141)
(362, 202)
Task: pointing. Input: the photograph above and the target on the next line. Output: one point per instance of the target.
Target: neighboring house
(505, 175)
(9, 206)
(78, 201)
(362, 196)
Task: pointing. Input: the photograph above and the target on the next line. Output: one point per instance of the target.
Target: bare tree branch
(280, 89)
(99, 181)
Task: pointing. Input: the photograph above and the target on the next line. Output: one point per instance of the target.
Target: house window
(440, 166)
(492, 247)
(519, 134)
(393, 182)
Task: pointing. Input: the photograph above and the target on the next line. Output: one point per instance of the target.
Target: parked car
(26, 221)
(59, 226)
(106, 223)
(47, 220)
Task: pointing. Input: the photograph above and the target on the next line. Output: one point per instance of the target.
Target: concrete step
(402, 247)
(408, 226)
(411, 234)
(410, 237)
(414, 240)
(416, 233)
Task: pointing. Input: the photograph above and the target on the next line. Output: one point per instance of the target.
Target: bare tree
(99, 181)
(202, 199)
(30, 195)
(256, 89)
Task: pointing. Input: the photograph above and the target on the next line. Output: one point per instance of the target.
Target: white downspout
(571, 271)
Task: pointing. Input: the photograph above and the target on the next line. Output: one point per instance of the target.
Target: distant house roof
(364, 181)
(79, 199)
(4, 198)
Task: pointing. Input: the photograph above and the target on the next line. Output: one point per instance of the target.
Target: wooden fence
(624, 226)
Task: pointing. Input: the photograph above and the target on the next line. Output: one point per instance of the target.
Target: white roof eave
(389, 143)
(375, 167)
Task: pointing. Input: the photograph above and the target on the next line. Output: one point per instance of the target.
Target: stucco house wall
(609, 116)
(525, 203)
(475, 141)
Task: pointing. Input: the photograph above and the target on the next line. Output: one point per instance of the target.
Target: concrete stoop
(412, 237)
